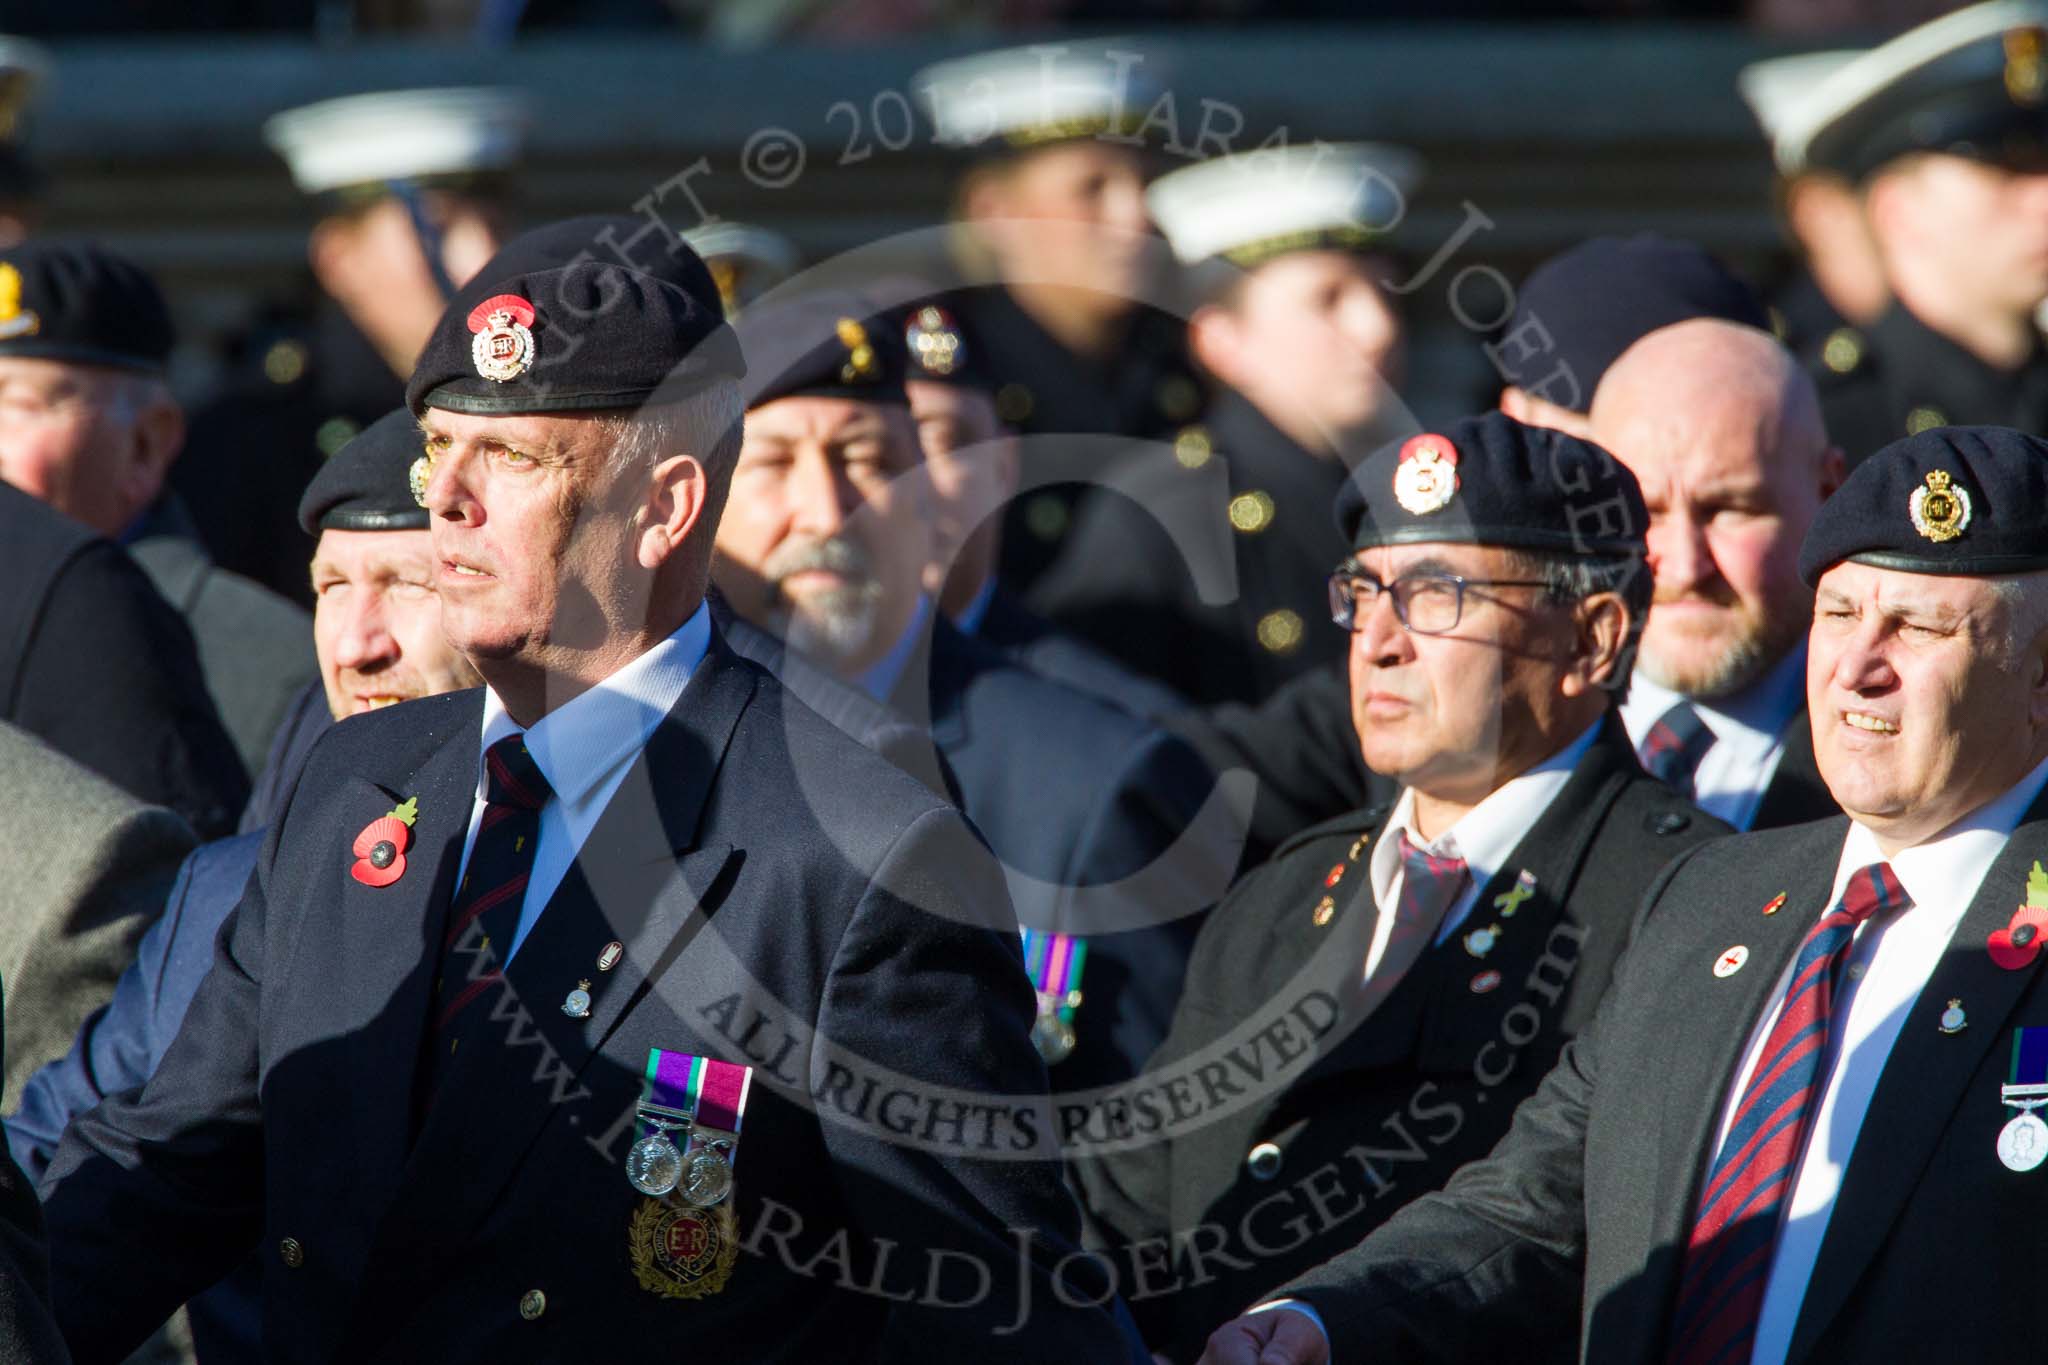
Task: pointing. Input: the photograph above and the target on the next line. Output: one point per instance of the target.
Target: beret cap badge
(1939, 508)
(503, 348)
(1426, 477)
(860, 358)
(15, 321)
(2025, 80)
(934, 340)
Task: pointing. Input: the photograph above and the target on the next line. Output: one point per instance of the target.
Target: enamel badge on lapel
(1511, 900)
(503, 347)
(1953, 1020)
(609, 958)
(577, 1003)
(1485, 981)
(1730, 962)
(1480, 942)
(380, 849)
(1775, 904)
(2017, 945)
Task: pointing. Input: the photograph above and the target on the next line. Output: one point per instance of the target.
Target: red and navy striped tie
(1728, 1256)
(485, 915)
(1672, 751)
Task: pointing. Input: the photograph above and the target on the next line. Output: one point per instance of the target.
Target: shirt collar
(1752, 720)
(1488, 834)
(1943, 874)
(585, 739)
(880, 679)
(968, 622)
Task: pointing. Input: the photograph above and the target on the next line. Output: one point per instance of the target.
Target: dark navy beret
(75, 301)
(1490, 480)
(367, 484)
(617, 239)
(1579, 310)
(1973, 83)
(1951, 500)
(829, 344)
(586, 336)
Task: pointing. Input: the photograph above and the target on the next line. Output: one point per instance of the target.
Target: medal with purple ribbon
(1054, 962)
(702, 1099)
(2023, 1142)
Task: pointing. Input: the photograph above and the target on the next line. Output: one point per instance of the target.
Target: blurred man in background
(411, 187)
(1208, 565)
(1052, 209)
(1944, 132)
(88, 424)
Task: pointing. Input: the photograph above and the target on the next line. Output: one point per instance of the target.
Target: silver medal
(1053, 1037)
(2023, 1143)
(708, 1179)
(654, 1166)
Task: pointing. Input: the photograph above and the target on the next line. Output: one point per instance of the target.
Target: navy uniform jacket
(255, 647)
(1071, 409)
(1574, 1225)
(1059, 656)
(1077, 798)
(1898, 376)
(97, 666)
(1376, 1111)
(1237, 489)
(783, 897)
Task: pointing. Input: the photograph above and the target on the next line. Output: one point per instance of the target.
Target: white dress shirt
(1749, 734)
(1483, 837)
(1888, 968)
(584, 748)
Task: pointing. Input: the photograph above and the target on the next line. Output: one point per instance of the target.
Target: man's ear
(1601, 623)
(678, 496)
(153, 445)
(1213, 341)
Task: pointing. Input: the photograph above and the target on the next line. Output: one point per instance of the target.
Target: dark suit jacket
(1066, 659)
(1930, 1251)
(1381, 1108)
(785, 899)
(255, 648)
(1105, 826)
(94, 664)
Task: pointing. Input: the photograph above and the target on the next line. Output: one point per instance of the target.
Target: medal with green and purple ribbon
(702, 1099)
(2023, 1142)
(1054, 963)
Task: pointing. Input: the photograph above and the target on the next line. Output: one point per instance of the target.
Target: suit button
(1263, 1161)
(532, 1304)
(291, 1253)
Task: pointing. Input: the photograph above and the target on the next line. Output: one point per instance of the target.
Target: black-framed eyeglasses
(1424, 604)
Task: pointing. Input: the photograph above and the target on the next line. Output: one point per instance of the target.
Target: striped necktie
(1430, 885)
(1728, 1256)
(1672, 751)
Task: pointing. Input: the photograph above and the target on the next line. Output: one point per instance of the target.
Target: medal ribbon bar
(2028, 1077)
(1054, 962)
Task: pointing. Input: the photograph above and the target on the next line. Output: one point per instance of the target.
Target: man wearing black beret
(1109, 832)
(89, 426)
(547, 1015)
(1943, 133)
(1364, 1011)
(1802, 1127)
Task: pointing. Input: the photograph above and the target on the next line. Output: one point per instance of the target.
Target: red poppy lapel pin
(380, 848)
(2019, 943)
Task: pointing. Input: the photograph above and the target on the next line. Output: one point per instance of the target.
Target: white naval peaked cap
(23, 66)
(399, 135)
(745, 260)
(1048, 92)
(1870, 73)
(1252, 206)
(1781, 90)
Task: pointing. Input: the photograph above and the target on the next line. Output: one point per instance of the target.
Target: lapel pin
(1953, 1020)
(1335, 875)
(1730, 962)
(1480, 941)
(2019, 943)
(1325, 908)
(577, 1003)
(1485, 981)
(1775, 904)
(380, 849)
(609, 958)
(1511, 900)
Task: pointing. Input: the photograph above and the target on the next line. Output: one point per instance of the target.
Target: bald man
(1723, 430)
